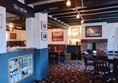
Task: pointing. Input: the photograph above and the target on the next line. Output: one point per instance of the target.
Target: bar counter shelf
(15, 49)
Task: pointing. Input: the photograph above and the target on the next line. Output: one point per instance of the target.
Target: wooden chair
(87, 62)
(102, 69)
(115, 70)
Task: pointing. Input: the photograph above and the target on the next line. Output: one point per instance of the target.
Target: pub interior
(58, 41)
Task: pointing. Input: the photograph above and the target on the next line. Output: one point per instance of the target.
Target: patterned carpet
(69, 72)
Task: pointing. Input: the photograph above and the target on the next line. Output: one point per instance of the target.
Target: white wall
(3, 30)
(33, 31)
(38, 42)
(20, 35)
(109, 31)
(65, 39)
(112, 29)
(30, 32)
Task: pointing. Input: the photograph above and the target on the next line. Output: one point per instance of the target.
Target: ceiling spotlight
(77, 16)
(68, 3)
(82, 21)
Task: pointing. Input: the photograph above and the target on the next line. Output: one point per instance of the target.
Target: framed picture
(93, 31)
(57, 36)
(75, 30)
(44, 36)
(12, 35)
(43, 25)
(1, 21)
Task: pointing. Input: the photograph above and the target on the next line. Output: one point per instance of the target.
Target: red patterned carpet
(69, 72)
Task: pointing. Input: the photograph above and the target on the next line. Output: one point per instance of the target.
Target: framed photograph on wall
(1, 21)
(13, 35)
(75, 30)
(93, 31)
(44, 36)
(57, 36)
(43, 25)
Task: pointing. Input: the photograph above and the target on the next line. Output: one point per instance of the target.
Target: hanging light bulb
(11, 25)
(11, 29)
(68, 3)
(77, 16)
(82, 21)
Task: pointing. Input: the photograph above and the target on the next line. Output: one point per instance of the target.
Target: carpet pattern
(69, 72)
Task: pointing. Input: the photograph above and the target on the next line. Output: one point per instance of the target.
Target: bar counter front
(24, 65)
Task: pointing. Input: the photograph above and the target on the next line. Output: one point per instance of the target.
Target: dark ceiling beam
(64, 13)
(89, 3)
(59, 24)
(66, 17)
(56, 6)
(60, 11)
(74, 23)
(102, 16)
(55, 16)
(17, 7)
(70, 19)
(32, 1)
(98, 9)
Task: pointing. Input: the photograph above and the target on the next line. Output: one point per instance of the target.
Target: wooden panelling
(58, 46)
(15, 43)
(94, 40)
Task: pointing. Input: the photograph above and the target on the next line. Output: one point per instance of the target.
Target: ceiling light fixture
(82, 21)
(77, 16)
(68, 3)
(11, 25)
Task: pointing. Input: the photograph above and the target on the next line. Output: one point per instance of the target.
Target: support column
(41, 43)
(30, 32)
(36, 36)
(2, 29)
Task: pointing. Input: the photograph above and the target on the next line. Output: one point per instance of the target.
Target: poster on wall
(20, 68)
(57, 36)
(75, 30)
(93, 31)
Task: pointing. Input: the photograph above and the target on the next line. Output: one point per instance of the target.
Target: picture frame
(75, 30)
(1, 20)
(13, 36)
(43, 25)
(43, 36)
(57, 36)
(93, 31)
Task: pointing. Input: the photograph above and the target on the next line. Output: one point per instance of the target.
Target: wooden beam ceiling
(90, 10)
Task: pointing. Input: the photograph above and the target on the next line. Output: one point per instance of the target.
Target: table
(111, 57)
(58, 52)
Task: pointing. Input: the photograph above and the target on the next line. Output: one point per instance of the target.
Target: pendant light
(77, 16)
(82, 21)
(68, 3)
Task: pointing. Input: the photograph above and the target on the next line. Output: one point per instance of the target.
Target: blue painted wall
(40, 65)
(41, 61)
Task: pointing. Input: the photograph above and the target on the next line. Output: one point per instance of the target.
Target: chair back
(101, 64)
(85, 58)
(115, 69)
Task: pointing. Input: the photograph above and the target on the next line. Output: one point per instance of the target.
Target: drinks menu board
(20, 68)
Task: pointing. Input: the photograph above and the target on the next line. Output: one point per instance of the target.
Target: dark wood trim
(18, 7)
(94, 40)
